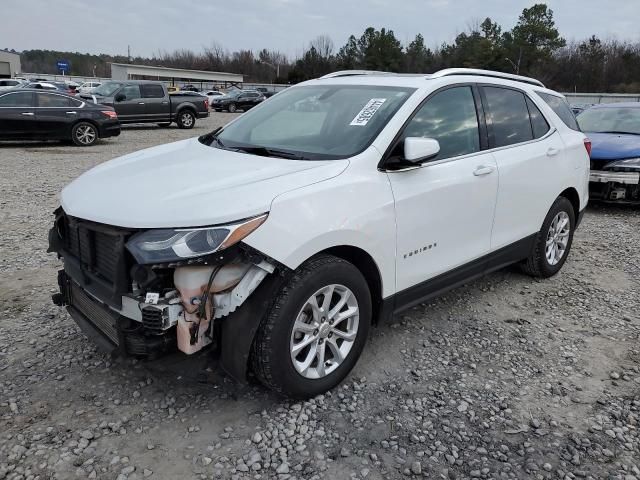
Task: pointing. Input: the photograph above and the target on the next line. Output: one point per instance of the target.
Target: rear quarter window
(561, 108)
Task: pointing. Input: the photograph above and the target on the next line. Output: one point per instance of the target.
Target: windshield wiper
(268, 152)
(617, 132)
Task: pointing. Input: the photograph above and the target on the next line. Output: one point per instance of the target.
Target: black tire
(164, 125)
(538, 265)
(186, 119)
(232, 108)
(271, 354)
(84, 134)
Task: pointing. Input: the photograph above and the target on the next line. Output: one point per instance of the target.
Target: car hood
(187, 184)
(613, 146)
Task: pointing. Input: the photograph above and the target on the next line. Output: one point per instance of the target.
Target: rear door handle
(165, 103)
(552, 152)
(28, 114)
(72, 113)
(140, 103)
(482, 170)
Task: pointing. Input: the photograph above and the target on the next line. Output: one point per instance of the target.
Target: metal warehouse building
(9, 64)
(125, 71)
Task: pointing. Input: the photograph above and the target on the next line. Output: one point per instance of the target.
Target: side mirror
(418, 149)
(120, 97)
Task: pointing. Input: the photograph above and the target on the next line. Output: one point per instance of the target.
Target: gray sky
(108, 26)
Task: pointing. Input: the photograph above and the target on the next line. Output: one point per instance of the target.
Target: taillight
(206, 103)
(587, 146)
(109, 113)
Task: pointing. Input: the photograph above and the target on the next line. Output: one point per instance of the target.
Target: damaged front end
(144, 293)
(615, 181)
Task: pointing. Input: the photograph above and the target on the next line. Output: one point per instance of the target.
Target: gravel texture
(507, 377)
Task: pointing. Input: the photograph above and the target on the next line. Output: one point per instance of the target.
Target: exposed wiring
(202, 307)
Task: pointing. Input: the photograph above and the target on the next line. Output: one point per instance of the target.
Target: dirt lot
(507, 377)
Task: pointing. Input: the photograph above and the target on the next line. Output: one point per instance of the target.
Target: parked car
(286, 234)
(36, 114)
(614, 130)
(213, 94)
(139, 101)
(266, 92)
(190, 88)
(8, 83)
(88, 87)
(237, 100)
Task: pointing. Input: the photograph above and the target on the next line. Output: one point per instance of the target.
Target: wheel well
(572, 195)
(367, 266)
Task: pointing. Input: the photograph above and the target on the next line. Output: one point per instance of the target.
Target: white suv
(282, 237)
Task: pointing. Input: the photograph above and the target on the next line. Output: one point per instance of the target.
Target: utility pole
(128, 53)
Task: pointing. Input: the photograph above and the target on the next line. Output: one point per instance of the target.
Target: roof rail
(349, 73)
(447, 72)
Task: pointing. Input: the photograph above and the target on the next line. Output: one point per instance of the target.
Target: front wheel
(553, 241)
(186, 119)
(84, 134)
(232, 108)
(313, 334)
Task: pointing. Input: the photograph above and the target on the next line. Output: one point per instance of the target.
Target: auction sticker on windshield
(368, 111)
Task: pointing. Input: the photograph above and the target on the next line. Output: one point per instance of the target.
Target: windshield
(315, 122)
(610, 119)
(107, 89)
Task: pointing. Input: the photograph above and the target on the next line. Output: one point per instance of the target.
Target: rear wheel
(84, 134)
(316, 329)
(232, 108)
(186, 119)
(553, 241)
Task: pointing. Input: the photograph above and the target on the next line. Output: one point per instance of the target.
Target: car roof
(39, 90)
(437, 79)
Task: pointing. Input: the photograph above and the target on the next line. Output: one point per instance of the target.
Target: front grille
(100, 316)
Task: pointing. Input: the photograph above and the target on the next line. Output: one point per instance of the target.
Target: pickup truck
(139, 101)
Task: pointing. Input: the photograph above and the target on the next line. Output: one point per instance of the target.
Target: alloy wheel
(86, 134)
(324, 331)
(558, 238)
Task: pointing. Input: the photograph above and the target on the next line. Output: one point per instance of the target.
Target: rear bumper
(204, 114)
(111, 129)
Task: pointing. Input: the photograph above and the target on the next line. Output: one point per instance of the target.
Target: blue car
(614, 130)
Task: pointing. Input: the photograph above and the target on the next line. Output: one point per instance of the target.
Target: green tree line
(533, 47)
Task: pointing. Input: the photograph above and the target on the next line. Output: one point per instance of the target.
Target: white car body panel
(187, 184)
(317, 205)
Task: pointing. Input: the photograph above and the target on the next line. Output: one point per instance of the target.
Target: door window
(449, 117)
(152, 91)
(508, 116)
(21, 99)
(49, 100)
(538, 122)
(131, 92)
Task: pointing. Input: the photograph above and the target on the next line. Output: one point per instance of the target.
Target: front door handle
(483, 170)
(552, 152)
(28, 114)
(140, 103)
(71, 113)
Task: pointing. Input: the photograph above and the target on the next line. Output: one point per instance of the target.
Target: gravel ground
(507, 377)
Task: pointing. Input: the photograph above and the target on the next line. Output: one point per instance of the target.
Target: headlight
(171, 245)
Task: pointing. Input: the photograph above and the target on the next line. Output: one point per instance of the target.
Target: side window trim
(479, 116)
